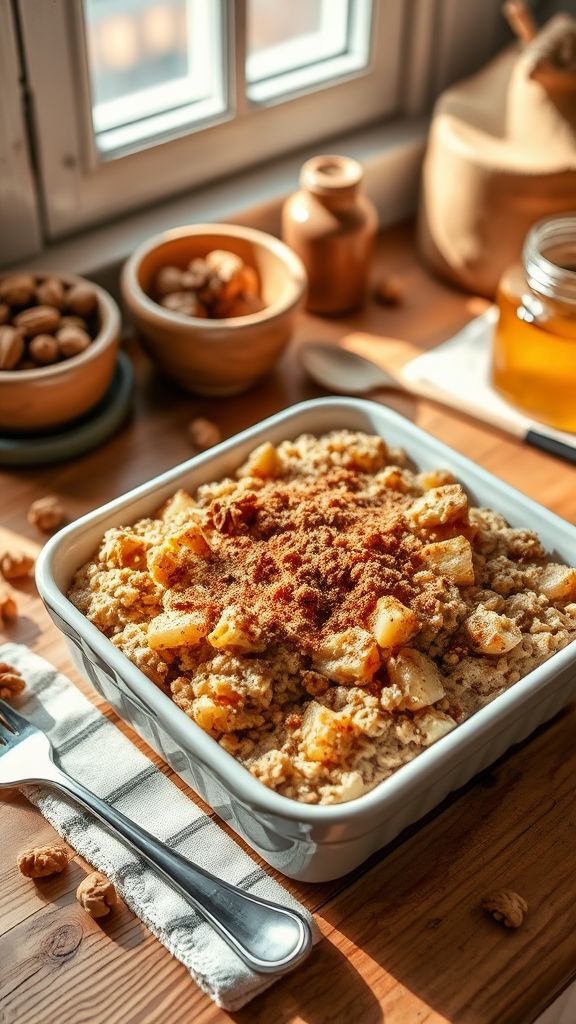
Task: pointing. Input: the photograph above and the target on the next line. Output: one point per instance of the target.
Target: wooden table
(404, 938)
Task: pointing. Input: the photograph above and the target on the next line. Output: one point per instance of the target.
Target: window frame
(193, 115)
(279, 60)
(79, 190)
(21, 232)
(312, 74)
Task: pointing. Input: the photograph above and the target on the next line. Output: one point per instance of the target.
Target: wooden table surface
(404, 938)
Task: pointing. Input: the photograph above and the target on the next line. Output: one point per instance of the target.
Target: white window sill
(391, 153)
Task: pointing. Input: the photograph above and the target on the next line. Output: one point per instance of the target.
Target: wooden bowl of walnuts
(58, 346)
(214, 304)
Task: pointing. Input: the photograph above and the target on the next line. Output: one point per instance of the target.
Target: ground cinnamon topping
(307, 558)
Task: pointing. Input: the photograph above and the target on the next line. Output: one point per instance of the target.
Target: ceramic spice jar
(331, 225)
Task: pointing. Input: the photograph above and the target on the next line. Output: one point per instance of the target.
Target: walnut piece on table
(47, 514)
(203, 433)
(389, 291)
(96, 894)
(8, 607)
(14, 565)
(506, 907)
(11, 682)
(41, 861)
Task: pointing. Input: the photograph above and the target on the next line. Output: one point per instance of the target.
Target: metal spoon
(344, 372)
(347, 373)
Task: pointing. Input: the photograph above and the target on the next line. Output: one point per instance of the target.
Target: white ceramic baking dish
(307, 842)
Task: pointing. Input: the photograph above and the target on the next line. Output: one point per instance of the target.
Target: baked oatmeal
(330, 612)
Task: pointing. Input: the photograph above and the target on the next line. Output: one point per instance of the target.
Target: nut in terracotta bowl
(58, 349)
(214, 356)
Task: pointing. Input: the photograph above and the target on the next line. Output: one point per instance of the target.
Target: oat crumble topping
(329, 613)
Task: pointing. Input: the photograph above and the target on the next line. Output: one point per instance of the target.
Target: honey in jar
(534, 354)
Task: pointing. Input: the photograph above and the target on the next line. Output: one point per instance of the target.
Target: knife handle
(552, 446)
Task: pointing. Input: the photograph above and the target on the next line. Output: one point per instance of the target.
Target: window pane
(155, 66)
(283, 36)
(294, 45)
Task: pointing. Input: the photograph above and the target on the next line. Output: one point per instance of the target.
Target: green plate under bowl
(80, 436)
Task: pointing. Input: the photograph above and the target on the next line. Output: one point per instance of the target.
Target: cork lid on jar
(327, 175)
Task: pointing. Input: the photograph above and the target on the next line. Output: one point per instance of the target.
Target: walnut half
(46, 513)
(11, 682)
(204, 433)
(15, 565)
(40, 861)
(96, 894)
(506, 906)
(8, 607)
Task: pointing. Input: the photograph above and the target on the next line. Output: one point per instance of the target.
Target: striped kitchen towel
(93, 750)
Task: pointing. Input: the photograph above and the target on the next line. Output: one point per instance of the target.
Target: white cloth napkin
(460, 368)
(92, 749)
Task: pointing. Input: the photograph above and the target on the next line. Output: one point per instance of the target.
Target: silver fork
(266, 936)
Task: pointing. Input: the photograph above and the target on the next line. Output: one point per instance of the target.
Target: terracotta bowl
(215, 357)
(51, 396)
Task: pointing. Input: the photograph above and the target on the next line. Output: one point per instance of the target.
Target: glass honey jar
(534, 353)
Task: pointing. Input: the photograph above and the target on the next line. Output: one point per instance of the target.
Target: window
(299, 44)
(153, 97)
(154, 68)
(157, 67)
(107, 106)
